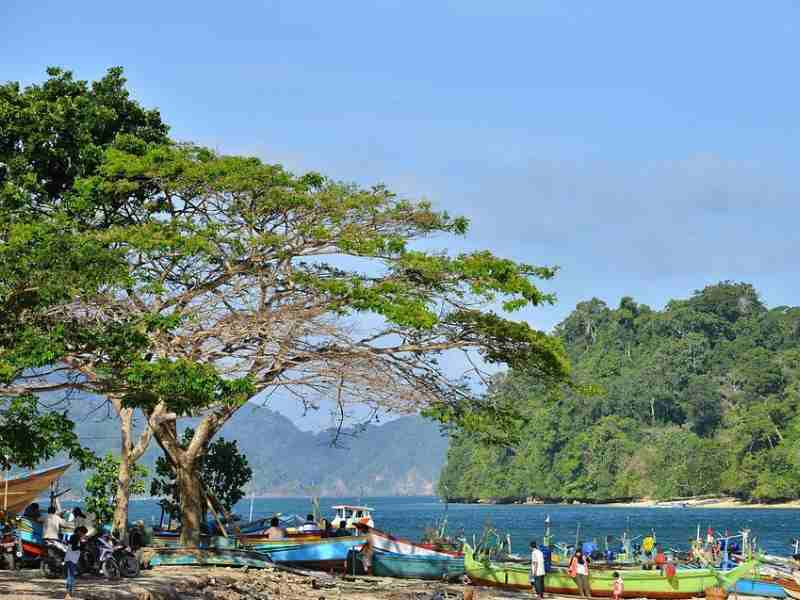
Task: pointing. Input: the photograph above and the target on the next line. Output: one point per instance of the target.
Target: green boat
(686, 583)
(443, 567)
(216, 557)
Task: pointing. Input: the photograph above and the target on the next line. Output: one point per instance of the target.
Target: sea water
(410, 516)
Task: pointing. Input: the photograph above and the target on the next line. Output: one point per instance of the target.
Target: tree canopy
(52, 135)
(182, 282)
(701, 397)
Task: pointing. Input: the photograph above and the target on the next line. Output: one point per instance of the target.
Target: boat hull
(754, 587)
(386, 564)
(217, 557)
(17, 492)
(638, 583)
(322, 554)
(384, 542)
(789, 585)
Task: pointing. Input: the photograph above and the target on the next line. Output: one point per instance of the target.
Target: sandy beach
(198, 583)
(721, 502)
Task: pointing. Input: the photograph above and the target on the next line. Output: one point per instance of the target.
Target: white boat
(385, 542)
(352, 515)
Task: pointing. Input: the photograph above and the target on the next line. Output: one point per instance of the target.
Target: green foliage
(224, 471)
(702, 397)
(31, 435)
(52, 135)
(186, 281)
(183, 386)
(101, 486)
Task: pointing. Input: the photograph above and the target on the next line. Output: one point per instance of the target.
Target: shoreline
(714, 502)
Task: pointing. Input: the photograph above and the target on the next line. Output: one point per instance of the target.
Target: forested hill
(699, 398)
(399, 457)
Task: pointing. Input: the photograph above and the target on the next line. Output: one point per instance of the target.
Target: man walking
(537, 569)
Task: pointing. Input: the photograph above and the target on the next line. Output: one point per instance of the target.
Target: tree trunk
(184, 462)
(120, 523)
(190, 489)
(129, 454)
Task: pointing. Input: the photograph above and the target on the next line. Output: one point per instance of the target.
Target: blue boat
(441, 567)
(324, 554)
(754, 587)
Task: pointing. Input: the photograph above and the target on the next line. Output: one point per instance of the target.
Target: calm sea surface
(409, 516)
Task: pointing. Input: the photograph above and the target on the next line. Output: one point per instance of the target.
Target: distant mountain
(399, 457)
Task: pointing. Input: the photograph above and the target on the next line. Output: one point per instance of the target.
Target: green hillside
(702, 397)
(399, 457)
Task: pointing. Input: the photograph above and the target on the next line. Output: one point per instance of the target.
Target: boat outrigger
(639, 583)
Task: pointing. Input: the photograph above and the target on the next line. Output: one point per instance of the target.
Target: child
(71, 558)
(619, 586)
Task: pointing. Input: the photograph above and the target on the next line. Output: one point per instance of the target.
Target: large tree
(244, 278)
(52, 249)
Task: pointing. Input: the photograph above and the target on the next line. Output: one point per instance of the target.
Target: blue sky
(648, 149)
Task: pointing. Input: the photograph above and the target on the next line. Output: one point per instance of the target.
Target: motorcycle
(113, 559)
(52, 561)
(9, 547)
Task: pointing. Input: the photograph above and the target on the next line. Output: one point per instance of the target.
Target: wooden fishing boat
(217, 557)
(385, 542)
(18, 492)
(686, 583)
(438, 567)
(758, 587)
(790, 585)
(324, 554)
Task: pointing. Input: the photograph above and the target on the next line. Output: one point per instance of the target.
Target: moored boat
(17, 492)
(386, 542)
(790, 585)
(218, 557)
(324, 554)
(438, 567)
(758, 587)
(353, 515)
(686, 583)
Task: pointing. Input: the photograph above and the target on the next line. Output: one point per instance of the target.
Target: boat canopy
(346, 510)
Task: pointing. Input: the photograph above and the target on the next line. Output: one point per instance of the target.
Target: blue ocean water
(409, 516)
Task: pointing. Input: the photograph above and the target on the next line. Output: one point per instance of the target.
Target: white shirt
(582, 569)
(537, 562)
(52, 524)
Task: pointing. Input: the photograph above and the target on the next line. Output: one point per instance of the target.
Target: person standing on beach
(537, 569)
(71, 558)
(619, 587)
(579, 570)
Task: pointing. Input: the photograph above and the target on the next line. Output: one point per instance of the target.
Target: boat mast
(252, 498)
(547, 539)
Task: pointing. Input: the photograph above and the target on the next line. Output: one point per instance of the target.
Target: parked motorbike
(9, 547)
(111, 558)
(52, 561)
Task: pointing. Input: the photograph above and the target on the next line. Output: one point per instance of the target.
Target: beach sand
(722, 502)
(199, 583)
